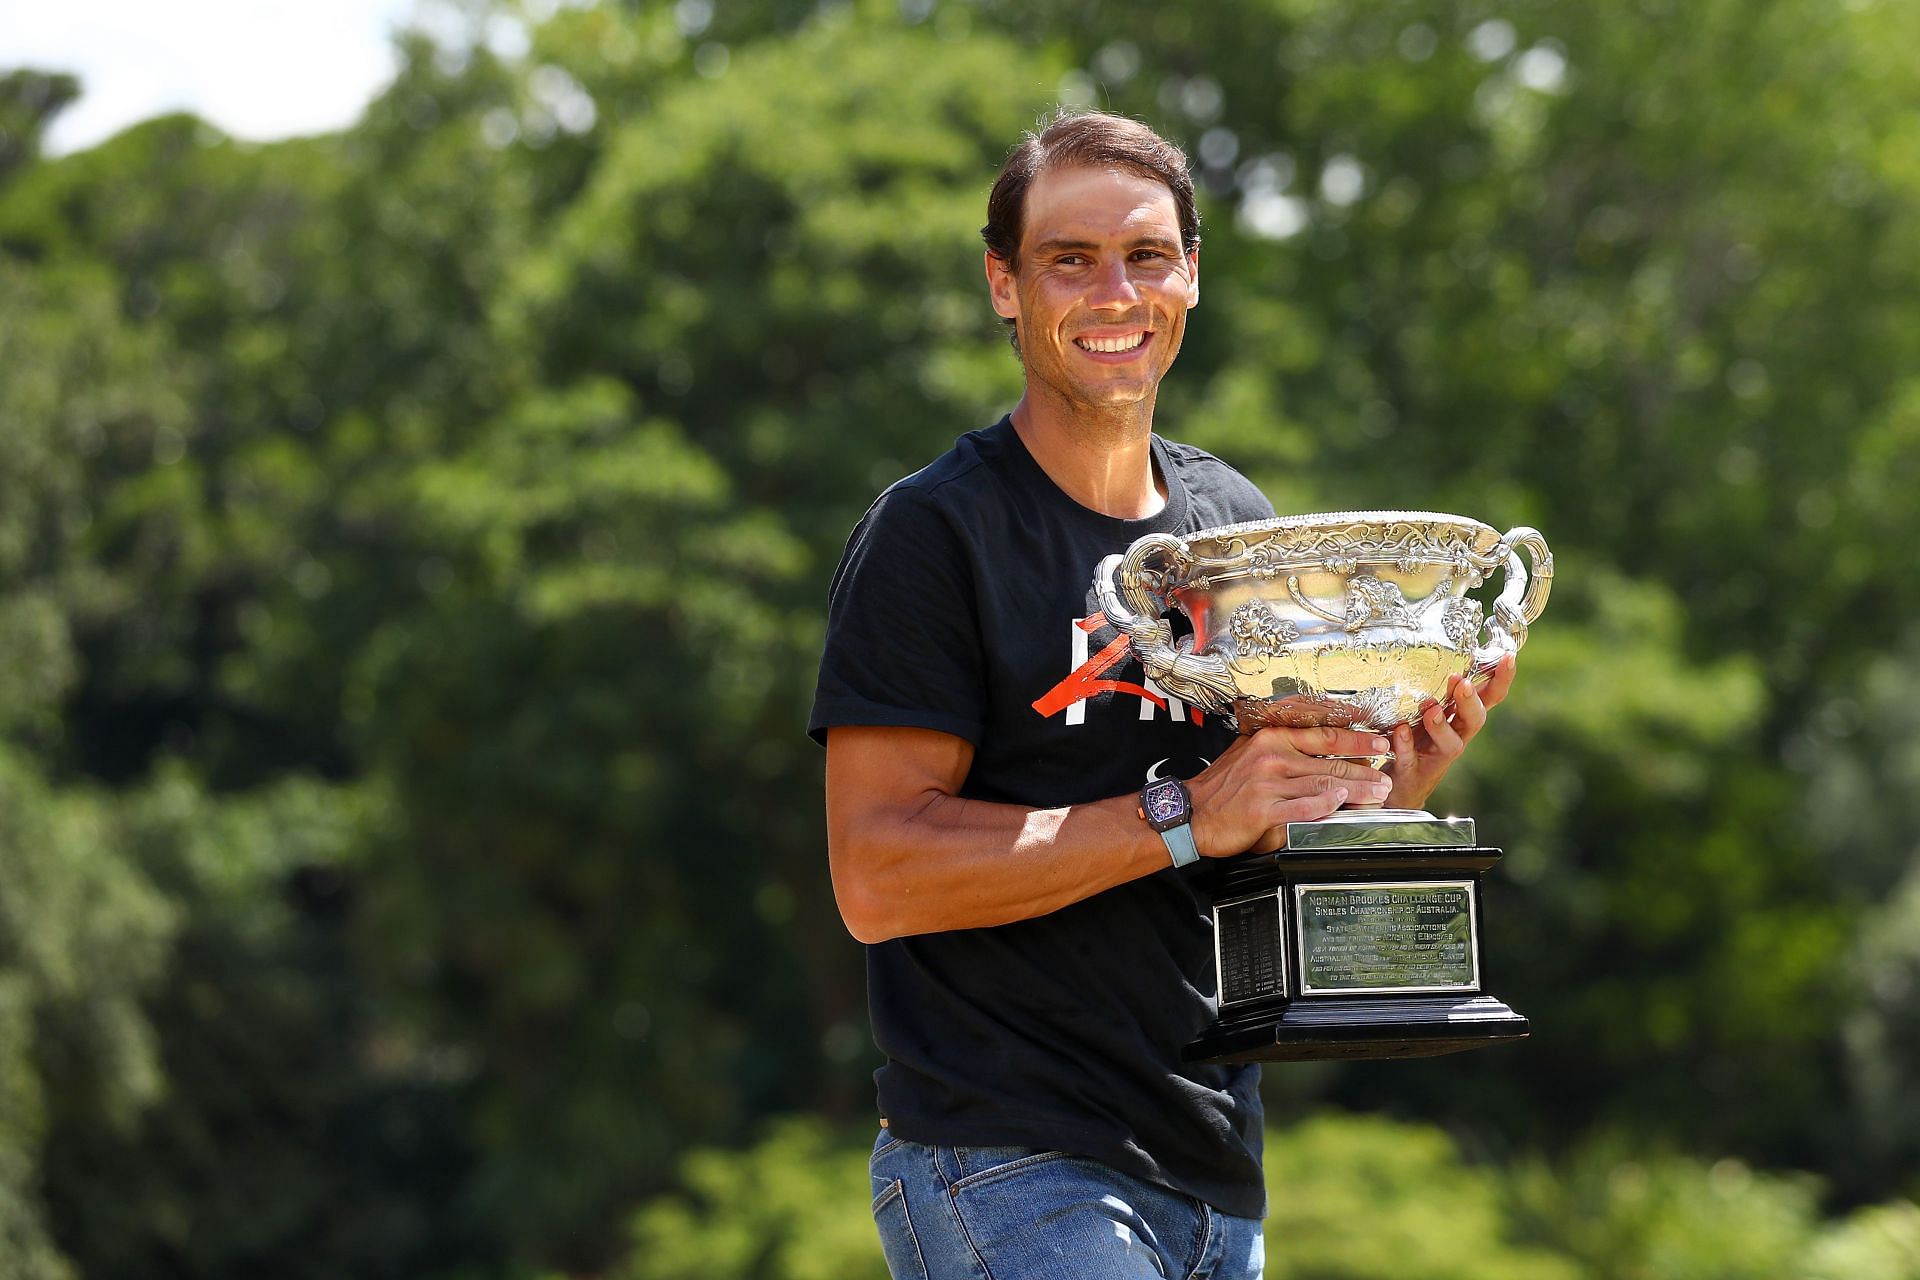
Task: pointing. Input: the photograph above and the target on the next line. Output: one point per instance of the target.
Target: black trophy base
(1351, 951)
(1361, 1027)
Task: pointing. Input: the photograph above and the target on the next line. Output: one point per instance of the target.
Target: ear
(1003, 287)
(1193, 278)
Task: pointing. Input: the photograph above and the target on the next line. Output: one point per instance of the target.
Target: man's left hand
(1423, 753)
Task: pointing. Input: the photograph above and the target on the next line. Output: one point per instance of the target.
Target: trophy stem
(1375, 827)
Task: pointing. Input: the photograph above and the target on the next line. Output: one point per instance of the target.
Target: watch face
(1165, 802)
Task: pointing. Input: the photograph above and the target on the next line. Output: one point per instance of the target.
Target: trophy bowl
(1354, 619)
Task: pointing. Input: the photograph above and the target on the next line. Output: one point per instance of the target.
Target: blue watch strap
(1180, 844)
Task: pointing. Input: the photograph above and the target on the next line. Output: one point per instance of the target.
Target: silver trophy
(1362, 937)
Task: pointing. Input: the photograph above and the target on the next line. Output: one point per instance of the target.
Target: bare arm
(909, 855)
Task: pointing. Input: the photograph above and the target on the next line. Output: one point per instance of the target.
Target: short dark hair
(1089, 139)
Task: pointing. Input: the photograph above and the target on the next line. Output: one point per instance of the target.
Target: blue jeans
(1014, 1213)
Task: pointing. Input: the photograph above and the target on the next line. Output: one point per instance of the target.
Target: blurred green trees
(413, 547)
(1350, 1198)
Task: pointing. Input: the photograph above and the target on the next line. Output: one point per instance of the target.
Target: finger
(1497, 688)
(1469, 710)
(1336, 768)
(1405, 757)
(1329, 741)
(1446, 741)
(1370, 787)
(1365, 784)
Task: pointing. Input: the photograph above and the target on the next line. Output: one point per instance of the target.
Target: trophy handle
(1200, 679)
(1521, 599)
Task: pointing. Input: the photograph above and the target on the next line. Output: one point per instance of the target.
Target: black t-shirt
(964, 604)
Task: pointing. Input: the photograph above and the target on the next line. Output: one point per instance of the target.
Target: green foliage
(282, 1139)
(788, 1208)
(82, 937)
(28, 99)
(1882, 1038)
(1358, 1198)
(1623, 1216)
(1880, 1243)
(1350, 1198)
(1669, 1217)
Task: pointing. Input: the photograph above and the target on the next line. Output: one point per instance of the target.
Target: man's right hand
(1266, 779)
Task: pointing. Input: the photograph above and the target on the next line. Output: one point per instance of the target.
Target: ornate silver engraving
(1371, 601)
(1259, 632)
(1461, 621)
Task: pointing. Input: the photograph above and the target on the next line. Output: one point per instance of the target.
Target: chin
(1122, 391)
(1111, 398)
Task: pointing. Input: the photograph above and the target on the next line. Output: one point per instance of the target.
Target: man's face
(1101, 295)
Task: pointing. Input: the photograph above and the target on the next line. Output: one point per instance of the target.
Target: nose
(1113, 287)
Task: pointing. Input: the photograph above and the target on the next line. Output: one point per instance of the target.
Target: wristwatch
(1167, 808)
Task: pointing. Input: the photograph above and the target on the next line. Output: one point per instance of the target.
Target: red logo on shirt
(1086, 680)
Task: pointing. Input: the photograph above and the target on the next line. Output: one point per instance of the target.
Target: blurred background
(414, 539)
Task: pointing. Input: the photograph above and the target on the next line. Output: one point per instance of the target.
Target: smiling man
(1036, 958)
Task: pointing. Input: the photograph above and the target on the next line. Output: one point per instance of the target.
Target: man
(1036, 959)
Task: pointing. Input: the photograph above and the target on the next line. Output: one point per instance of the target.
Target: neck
(1100, 457)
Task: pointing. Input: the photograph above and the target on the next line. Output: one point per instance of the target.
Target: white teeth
(1127, 343)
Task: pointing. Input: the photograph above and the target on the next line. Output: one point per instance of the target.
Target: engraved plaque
(1357, 938)
(1250, 948)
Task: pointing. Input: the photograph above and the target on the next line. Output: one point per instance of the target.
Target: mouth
(1120, 344)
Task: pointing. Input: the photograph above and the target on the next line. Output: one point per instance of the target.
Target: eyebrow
(1062, 244)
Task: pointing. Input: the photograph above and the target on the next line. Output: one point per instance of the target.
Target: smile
(1111, 346)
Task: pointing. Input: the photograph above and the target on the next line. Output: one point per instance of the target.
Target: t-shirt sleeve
(903, 636)
(1240, 499)
(1258, 506)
